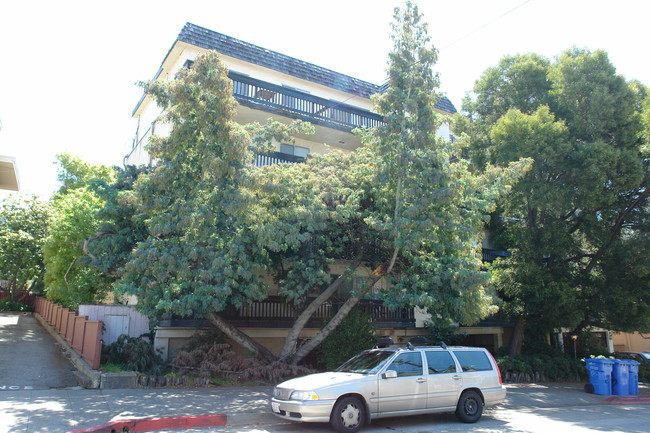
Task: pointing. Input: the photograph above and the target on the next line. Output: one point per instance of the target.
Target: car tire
(348, 415)
(470, 407)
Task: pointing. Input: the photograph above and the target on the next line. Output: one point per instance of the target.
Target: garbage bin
(621, 377)
(600, 375)
(634, 377)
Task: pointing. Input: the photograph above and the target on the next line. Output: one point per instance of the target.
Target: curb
(628, 400)
(155, 424)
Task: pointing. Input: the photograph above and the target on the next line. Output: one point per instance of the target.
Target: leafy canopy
(23, 227)
(580, 212)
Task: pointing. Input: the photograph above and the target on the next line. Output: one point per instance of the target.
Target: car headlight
(304, 395)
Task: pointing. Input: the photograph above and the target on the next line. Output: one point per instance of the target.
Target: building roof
(227, 45)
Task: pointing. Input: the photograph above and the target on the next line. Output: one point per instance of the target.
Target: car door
(477, 371)
(407, 391)
(444, 381)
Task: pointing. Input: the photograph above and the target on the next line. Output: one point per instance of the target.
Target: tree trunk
(300, 323)
(338, 317)
(331, 325)
(240, 338)
(517, 340)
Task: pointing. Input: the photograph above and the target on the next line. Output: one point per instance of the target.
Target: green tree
(23, 227)
(571, 221)
(121, 227)
(68, 278)
(398, 206)
(75, 173)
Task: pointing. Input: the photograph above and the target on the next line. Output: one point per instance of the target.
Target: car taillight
(497, 366)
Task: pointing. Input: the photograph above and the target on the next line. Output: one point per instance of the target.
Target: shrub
(353, 335)
(531, 368)
(9, 305)
(446, 332)
(133, 354)
(644, 372)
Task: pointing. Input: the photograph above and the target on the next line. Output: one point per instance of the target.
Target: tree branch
(98, 235)
(616, 228)
(308, 312)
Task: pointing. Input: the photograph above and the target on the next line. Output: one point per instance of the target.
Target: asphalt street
(39, 395)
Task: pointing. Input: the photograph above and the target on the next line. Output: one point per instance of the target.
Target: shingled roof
(227, 45)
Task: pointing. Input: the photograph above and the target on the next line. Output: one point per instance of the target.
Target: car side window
(407, 364)
(473, 360)
(440, 362)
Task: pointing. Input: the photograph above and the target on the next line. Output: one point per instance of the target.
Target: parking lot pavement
(247, 408)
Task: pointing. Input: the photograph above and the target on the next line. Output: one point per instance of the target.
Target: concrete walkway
(29, 357)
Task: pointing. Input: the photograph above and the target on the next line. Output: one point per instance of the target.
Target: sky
(69, 68)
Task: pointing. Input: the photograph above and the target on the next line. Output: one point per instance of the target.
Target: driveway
(29, 356)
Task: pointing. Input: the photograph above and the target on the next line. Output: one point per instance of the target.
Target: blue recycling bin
(600, 375)
(621, 377)
(634, 377)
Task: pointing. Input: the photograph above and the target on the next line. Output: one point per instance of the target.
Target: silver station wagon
(394, 381)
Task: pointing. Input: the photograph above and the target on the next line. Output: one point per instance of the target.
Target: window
(473, 361)
(291, 149)
(188, 63)
(407, 364)
(440, 362)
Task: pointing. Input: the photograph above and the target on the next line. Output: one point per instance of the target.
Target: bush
(353, 335)
(533, 368)
(644, 372)
(9, 305)
(448, 333)
(133, 354)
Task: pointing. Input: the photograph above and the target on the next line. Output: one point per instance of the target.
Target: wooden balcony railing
(264, 159)
(275, 309)
(292, 103)
(490, 255)
(275, 312)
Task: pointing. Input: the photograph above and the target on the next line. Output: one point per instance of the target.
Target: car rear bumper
(302, 411)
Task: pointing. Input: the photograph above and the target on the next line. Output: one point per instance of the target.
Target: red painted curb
(628, 400)
(155, 424)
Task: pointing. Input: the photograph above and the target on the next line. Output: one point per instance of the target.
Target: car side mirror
(389, 374)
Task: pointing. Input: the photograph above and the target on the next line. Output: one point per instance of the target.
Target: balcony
(275, 312)
(260, 95)
(490, 255)
(264, 159)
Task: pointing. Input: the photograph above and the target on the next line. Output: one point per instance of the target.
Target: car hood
(319, 380)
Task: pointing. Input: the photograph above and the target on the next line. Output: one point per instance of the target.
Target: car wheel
(348, 415)
(470, 407)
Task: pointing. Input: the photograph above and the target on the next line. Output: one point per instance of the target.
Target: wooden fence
(83, 335)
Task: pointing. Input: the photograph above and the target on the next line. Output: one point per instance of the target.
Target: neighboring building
(8, 172)
(270, 84)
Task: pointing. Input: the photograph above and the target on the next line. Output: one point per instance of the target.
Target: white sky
(69, 67)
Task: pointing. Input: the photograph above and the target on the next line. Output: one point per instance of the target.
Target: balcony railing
(264, 159)
(275, 312)
(292, 103)
(490, 255)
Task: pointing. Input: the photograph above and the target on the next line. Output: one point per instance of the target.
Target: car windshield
(645, 355)
(366, 362)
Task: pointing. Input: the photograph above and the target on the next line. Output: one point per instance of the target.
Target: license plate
(275, 406)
